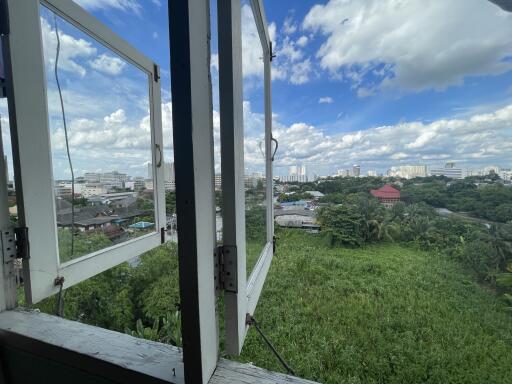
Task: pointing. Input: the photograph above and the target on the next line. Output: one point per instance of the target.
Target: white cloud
(412, 45)
(71, 49)
(122, 5)
(326, 100)
(155, 35)
(365, 92)
(117, 117)
(214, 61)
(289, 50)
(116, 142)
(481, 139)
(252, 52)
(300, 72)
(108, 64)
(289, 26)
(302, 41)
(289, 65)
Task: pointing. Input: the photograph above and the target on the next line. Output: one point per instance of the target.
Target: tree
(343, 224)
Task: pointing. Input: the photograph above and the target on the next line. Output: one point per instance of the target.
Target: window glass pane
(100, 140)
(254, 138)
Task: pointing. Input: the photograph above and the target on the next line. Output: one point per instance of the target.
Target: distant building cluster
(97, 183)
(411, 171)
(296, 173)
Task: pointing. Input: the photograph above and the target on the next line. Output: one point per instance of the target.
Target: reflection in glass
(254, 139)
(100, 127)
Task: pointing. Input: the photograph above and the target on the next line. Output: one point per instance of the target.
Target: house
(316, 194)
(387, 195)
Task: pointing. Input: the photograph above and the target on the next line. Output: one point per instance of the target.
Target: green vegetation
(141, 299)
(255, 224)
(400, 295)
(283, 198)
(83, 243)
(361, 220)
(483, 198)
(381, 314)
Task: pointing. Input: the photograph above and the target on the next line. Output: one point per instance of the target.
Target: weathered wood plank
(143, 356)
(147, 358)
(231, 372)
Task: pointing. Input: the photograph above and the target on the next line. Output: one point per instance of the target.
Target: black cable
(59, 304)
(66, 137)
(252, 321)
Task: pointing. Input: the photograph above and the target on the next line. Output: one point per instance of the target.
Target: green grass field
(382, 314)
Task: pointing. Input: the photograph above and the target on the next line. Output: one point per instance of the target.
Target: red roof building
(387, 195)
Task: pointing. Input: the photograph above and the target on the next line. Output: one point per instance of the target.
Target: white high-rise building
(113, 179)
(92, 177)
(449, 170)
(342, 173)
(506, 174)
(356, 170)
(412, 171)
(297, 173)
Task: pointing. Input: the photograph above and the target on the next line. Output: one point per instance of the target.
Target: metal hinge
(15, 244)
(225, 263)
(156, 73)
(272, 54)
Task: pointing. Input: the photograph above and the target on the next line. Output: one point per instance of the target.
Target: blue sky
(377, 82)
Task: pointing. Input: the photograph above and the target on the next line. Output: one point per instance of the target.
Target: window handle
(275, 150)
(159, 150)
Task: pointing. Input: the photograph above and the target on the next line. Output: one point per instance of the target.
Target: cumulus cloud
(290, 64)
(117, 117)
(411, 45)
(302, 41)
(109, 65)
(71, 50)
(300, 72)
(325, 100)
(480, 139)
(289, 26)
(119, 141)
(252, 52)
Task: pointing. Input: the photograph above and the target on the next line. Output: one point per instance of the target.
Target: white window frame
(242, 301)
(33, 169)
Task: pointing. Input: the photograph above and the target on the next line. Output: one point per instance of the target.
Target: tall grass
(381, 314)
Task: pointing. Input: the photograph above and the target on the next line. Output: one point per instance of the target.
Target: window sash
(33, 169)
(243, 300)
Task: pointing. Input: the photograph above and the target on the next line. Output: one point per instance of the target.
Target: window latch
(15, 244)
(226, 269)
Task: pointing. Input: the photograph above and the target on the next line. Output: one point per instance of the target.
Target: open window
(246, 135)
(90, 103)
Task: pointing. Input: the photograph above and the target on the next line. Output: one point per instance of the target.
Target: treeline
(480, 196)
(360, 220)
(487, 199)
